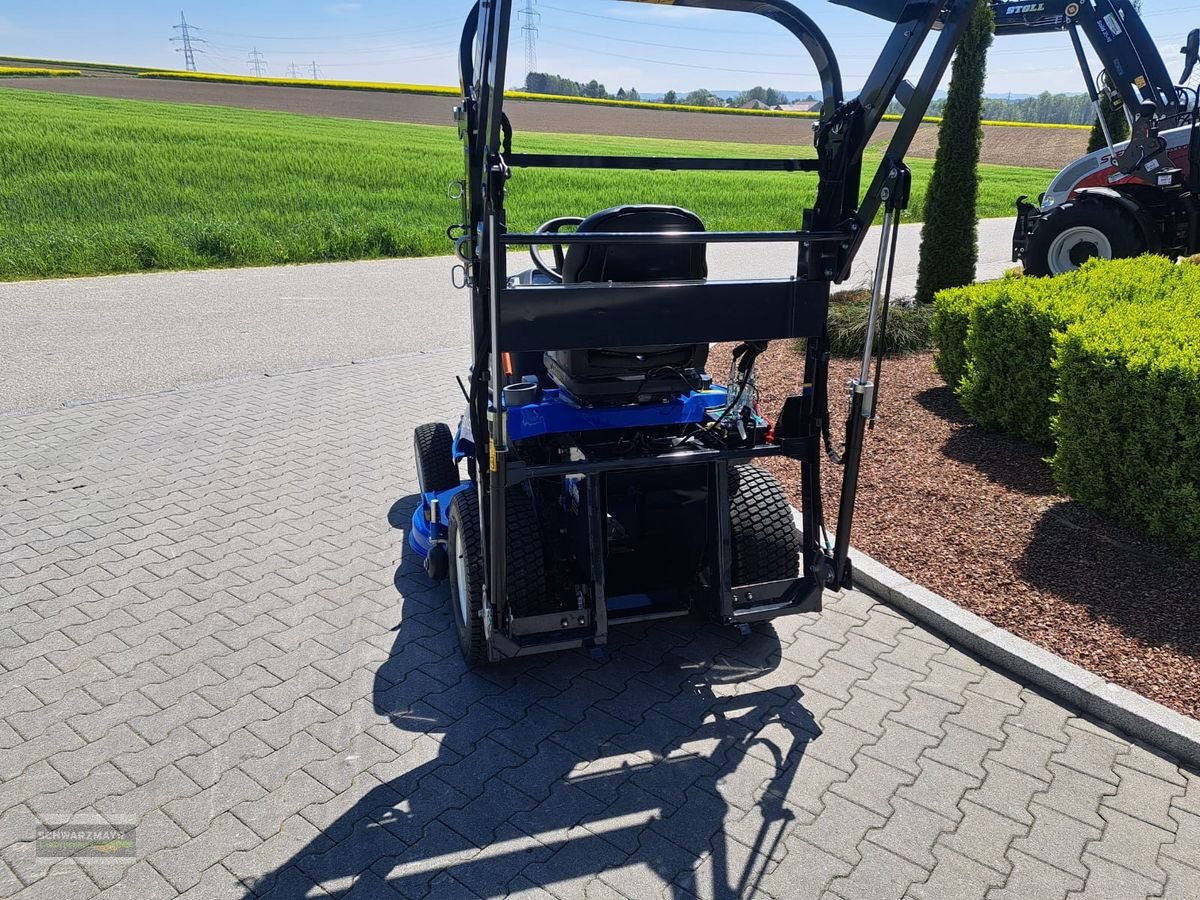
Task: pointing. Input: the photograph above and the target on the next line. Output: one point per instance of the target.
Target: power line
(641, 23)
(187, 39)
(743, 53)
(337, 37)
(257, 62)
(663, 62)
(316, 72)
(447, 44)
(530, 28)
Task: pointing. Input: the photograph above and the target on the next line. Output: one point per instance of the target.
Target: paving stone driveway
(211, 628)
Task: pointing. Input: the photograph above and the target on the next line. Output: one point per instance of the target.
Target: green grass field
(90, 185)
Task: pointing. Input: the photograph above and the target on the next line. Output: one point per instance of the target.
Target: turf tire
(766, 542)
(526, 565)
(436, 468)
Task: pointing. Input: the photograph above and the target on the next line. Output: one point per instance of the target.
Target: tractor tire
(526, 565)
(766, 542)
(436, 468)
(1068, 235)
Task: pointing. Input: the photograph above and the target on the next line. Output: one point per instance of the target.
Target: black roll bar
(507, 316)
(798, 23)
(518, 239)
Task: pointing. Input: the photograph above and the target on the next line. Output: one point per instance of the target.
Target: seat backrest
(637, 262)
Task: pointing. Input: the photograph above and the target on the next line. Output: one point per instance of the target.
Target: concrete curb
(1134, 714)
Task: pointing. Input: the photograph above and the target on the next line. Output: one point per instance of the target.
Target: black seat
(640, 373)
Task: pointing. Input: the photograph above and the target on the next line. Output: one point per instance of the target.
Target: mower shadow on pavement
(660, 764)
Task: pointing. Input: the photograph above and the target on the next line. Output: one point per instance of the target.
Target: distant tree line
(546, 83)
(705, 97)
(1045, 108)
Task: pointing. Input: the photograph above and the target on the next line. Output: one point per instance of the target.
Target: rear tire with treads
(765, 541)
(1087, 227)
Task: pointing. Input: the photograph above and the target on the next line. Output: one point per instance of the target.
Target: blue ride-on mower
(610, 477)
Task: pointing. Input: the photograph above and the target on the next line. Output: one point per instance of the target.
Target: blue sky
(653, 48)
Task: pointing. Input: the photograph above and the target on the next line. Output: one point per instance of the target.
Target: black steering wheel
(552, 227)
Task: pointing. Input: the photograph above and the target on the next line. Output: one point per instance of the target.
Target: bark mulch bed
(976, 517)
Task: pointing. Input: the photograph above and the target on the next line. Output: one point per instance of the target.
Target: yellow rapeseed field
(18, 71)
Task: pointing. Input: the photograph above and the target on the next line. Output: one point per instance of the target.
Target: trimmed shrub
(1008, 380)
(951, 318)
(1128, 414)
(1104, 362)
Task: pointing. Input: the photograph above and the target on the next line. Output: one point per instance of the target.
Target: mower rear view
(610, 478)
(629, 538)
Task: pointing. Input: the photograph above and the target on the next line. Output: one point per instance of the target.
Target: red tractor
(1141, 196)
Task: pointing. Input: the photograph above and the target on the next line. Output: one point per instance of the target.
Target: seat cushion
(637, 262)
(631, 374)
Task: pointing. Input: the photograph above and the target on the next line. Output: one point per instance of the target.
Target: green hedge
(1104, 362)
(1127, 427)
(1001, 363)
(951, 318)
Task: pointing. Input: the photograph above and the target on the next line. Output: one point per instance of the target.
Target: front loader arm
(1117, 34)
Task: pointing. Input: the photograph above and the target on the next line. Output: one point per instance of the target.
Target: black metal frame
(508, 317)
(1137, 67)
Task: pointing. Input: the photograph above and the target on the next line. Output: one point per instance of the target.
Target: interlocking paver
(880, 873)
(1007, 791)
(195, 813)
(76, 762)
(1090, 752)
(911, 832)
(156, 726)
(224, 639)
(984, 836)
(58, 739)
(1057, 840)
(142, 765)
(1131, 843)
(32, 723)
(956, 877)
(1182, 881)
(1031, 877)
(1112, 881)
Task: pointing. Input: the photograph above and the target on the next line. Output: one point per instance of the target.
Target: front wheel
(1069, 235)
(464, 543)
(526, 567)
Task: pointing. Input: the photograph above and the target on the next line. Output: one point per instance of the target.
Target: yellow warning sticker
(491, 456)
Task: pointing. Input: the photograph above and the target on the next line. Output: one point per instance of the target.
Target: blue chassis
(555, 413)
